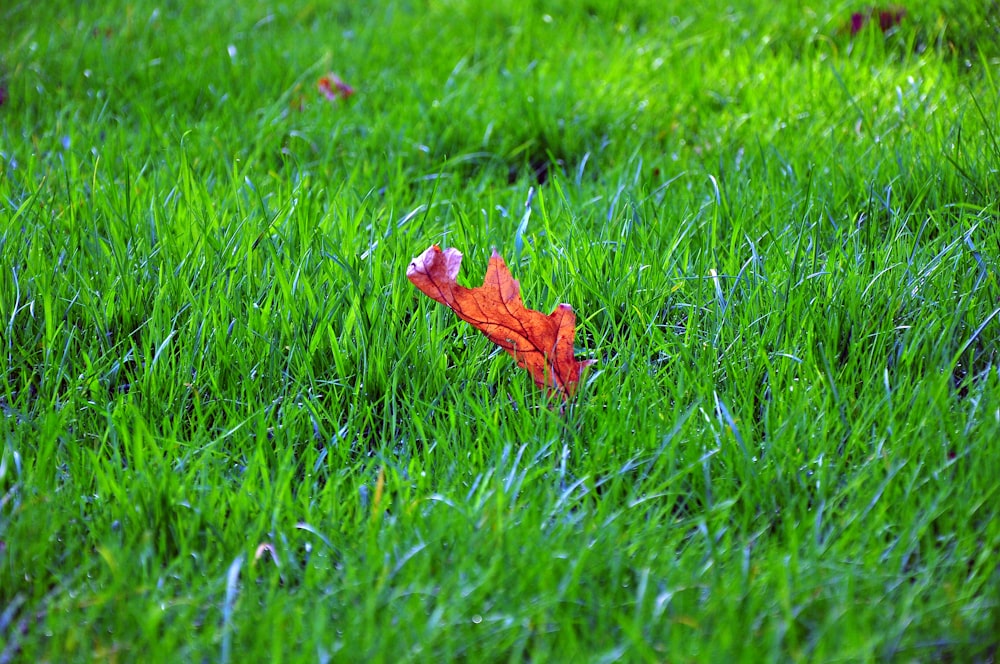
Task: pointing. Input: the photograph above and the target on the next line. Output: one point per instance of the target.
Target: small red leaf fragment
(543, 345)
(333, 88)
(888, 17)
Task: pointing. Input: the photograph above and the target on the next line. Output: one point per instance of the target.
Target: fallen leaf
(888, 17)
(333, 88)
(541, 344)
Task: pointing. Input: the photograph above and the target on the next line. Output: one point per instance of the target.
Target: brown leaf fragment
(541, 344)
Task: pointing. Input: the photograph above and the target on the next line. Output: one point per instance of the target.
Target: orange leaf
(333, 88)
(541, 344)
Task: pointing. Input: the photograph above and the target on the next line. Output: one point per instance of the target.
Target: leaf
(541, 344)
(888, 17)
(333, 88)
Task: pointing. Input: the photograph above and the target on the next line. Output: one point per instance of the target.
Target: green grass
(209, 343)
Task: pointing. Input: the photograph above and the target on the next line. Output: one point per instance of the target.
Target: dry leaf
(333, 88)
(888, 17)
(541, 344)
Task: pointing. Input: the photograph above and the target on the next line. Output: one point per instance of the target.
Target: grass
(231, 428)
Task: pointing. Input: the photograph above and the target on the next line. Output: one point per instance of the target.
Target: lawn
(232, 430)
